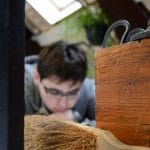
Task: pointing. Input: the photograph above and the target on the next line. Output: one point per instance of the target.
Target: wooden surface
(123, 91)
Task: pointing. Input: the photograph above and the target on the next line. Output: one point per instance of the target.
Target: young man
(55, 84)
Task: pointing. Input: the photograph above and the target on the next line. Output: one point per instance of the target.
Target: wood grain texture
(123, 91)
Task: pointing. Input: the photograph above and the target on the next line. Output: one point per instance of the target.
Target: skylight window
(55, 10)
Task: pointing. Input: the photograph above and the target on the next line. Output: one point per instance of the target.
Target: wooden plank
(123, 91)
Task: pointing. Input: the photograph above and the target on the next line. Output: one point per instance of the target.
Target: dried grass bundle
(42, 133)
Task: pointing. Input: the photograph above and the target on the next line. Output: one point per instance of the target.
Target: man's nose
(63, 101)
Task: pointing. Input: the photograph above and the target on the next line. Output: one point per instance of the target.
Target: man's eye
(73, 93)
(53, 92)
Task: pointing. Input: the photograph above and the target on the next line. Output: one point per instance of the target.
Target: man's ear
(36, 76)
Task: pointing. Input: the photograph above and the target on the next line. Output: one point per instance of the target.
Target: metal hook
(133, 35)
(116, 24)
(139, 33)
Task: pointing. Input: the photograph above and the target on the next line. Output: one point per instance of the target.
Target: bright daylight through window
(54, 10)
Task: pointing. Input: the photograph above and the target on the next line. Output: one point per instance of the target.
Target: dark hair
(63, 60)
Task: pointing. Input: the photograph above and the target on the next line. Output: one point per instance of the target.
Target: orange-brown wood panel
(123, 91)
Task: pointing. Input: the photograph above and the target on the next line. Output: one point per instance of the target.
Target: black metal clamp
(133, 35)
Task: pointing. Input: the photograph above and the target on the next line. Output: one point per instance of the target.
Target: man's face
(59, 96)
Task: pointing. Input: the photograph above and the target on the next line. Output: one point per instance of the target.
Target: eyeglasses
(59, 94)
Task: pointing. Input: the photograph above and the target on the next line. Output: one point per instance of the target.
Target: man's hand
(64, 116)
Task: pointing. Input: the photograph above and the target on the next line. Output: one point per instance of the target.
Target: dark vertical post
(11, 74)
